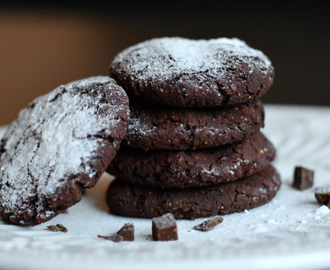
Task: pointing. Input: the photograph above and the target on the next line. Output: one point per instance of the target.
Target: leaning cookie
(181, 129)
(193, 168)
(60, 145)
(147, 202)
(193, 73)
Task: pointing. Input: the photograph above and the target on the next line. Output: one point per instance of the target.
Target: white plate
(291, 232)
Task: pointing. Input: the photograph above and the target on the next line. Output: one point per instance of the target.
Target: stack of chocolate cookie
(193, 146)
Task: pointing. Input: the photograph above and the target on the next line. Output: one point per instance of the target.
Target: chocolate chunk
(127, 232)
(164, 228)
(322, 195)
(209, 224)
(303, 178)
(57, 228)
(53, 228)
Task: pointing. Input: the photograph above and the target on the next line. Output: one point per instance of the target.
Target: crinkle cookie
(58, 146)
(193, 168)
(193, 73)
(181, 129)
(148, 202)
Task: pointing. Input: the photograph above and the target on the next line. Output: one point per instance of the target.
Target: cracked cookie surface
(180, 129)
(193, 168)
(181, 72)
(147, 202)
(58, 146)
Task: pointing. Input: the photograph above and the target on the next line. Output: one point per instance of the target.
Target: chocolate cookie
(147, 202)
(193, 168)
(193, 73)
(60, 145)
(180, 129)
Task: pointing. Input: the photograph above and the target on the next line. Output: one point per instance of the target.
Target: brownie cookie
(180, 129)
(147, 202)
(193, 168)
(60, 145)
(193, 73)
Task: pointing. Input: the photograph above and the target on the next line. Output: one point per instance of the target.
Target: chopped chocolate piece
(62, 228)
(57, 228)
(303, 178)
(322, 195)
(127, 232)
(164, 228)
(53, 228)
(209, 224)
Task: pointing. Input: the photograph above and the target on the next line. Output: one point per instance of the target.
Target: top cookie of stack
(193, 73)
(195, 120)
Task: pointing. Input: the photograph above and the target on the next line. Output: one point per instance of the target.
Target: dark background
(44, 45)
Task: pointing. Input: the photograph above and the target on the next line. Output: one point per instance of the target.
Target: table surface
(287, 233)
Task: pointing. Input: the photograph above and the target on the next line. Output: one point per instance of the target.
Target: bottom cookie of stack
(148, 202)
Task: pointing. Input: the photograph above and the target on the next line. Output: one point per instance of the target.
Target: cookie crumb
(57, 228)
(303, 178)
(164, 228)
(209, 224)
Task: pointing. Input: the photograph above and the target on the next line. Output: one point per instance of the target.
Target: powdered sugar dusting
(163, 57)
(138, 126)
(57, 137)
(322, 211)
(164, 221)
(323, 190)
